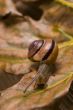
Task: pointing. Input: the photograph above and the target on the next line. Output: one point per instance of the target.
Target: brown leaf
(58, 85)
(16, 34)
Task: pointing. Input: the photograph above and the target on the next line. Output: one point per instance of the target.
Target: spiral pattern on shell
(43, 50)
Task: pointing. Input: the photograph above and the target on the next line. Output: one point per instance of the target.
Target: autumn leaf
(67, 3)
(16, 34)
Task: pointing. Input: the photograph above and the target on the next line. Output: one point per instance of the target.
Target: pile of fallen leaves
(16, 70)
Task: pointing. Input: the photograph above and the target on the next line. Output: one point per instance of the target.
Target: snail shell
(43, 50)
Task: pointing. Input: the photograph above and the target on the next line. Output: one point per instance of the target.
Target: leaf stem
(66, 79)
(65, 34)
(65, 44)
(65, 3)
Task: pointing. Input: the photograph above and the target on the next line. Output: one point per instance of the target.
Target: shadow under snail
(45, 52)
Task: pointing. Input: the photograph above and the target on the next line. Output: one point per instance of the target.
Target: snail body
(43, 50)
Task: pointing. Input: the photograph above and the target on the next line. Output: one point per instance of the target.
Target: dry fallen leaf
(58, 85)
(16, 33)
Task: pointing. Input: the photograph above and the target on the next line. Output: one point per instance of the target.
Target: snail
(44, 52)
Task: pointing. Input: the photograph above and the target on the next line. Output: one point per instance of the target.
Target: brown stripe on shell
(43, 50)
(34, 47)
(49, 51)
